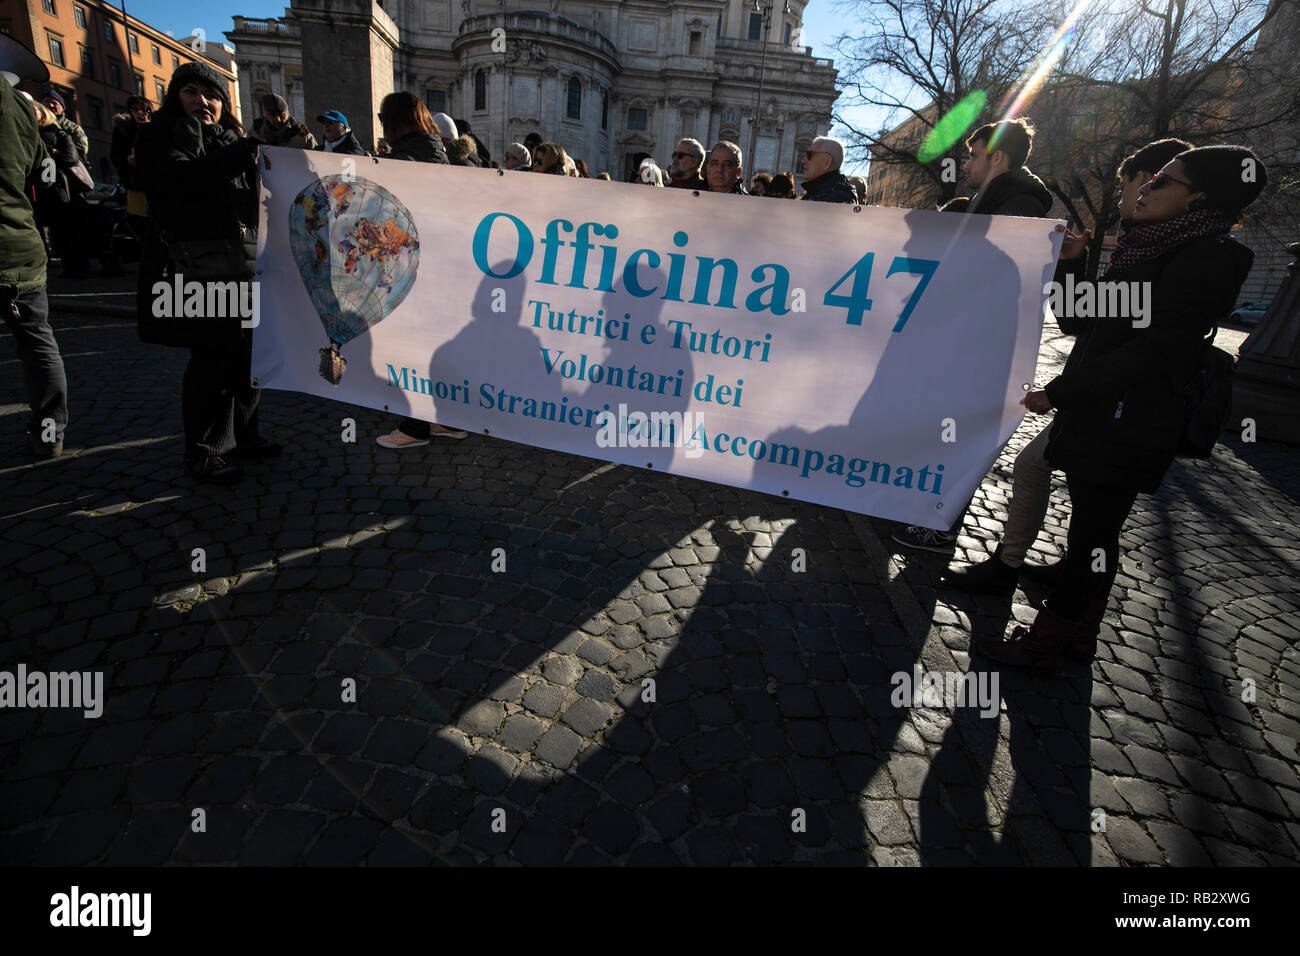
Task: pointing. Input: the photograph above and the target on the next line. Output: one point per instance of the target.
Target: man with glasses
(725, 170)
(823, 181)
(684, 170)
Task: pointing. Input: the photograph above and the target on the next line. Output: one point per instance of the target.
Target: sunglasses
(1161, 179)
(689, 155)
(810, 153)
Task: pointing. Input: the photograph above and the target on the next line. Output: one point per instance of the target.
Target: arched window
(480, 90)
(574, 110)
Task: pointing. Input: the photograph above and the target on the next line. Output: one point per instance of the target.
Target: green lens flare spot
(952, 127)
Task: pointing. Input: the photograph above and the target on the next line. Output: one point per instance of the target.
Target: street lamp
(766, 10)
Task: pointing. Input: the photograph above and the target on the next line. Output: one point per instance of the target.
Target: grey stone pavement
(502, 718)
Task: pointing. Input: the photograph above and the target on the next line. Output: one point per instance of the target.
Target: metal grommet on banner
(1025, 386)
(1060, 227)
(939, 506)
(486, 432)
(255, 383)
(857, 209)
(650, 464)
(501, 172)
(695, 192)
(785, 494)
(376, 159)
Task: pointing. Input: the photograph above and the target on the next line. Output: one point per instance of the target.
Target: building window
(729, 116)
(115, 74)
(6, 27)
(436, 100)
(480, 90)
(160, 91)
(755, 26)
(787, 34)
(87, 64)
(139, 85)
(109, 35)
(49, 7)
(79, 14)
(133, 42)
(157, 54)
(573, 109)
(176, 63)
(56, 50)
(604, 111)
(695, 43)
(636, 118)
(96, 113)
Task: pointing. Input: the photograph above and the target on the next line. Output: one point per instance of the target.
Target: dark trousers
(415, 428)
(1097, 516)
(217, 403)
(28, 318)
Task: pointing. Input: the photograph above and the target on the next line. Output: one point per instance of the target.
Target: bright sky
(820, 26)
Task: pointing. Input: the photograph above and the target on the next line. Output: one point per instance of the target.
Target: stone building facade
(612, 81)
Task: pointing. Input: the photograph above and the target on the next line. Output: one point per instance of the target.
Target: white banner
(871, 359)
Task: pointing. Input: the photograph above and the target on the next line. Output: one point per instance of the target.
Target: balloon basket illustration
(358, 253)
(332, 365)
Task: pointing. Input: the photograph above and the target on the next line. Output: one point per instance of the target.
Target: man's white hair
(833, 147)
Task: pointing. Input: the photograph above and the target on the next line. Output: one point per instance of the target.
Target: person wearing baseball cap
(338, 135)
(278, 128)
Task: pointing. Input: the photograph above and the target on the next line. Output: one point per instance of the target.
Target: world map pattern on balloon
(357, 250)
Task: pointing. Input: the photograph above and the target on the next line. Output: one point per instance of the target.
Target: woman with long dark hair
(1120, 401)
(413, 135)
(201, 181)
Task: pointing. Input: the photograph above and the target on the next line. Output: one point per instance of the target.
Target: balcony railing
(270, 27)
(733, 43)
(540, 23)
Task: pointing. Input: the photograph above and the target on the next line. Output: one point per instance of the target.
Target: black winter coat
(125, 129)
(1120, 407)
(833, 186)
(420, 148)
(202, 184)
(348, 146)
(1015, 193)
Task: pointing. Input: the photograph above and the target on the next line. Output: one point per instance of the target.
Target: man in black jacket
(996, 168)
(1003, 187)
(338, 135)
(725, 169)
(823, 181)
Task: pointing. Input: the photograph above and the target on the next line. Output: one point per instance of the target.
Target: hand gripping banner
(866, 358)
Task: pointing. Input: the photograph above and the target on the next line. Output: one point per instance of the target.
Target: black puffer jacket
(1120, 400)
(833, 186)
(1015, 193)
(419, 148)
(347, 146)
(202, 184)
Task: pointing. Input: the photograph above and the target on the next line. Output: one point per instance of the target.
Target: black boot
(1044, 575)
(990, 576)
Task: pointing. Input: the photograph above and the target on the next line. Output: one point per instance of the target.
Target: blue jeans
(28, 318)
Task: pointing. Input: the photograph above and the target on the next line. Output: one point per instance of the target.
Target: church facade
(612, 81)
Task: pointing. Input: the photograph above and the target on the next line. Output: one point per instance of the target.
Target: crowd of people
(1118, 405)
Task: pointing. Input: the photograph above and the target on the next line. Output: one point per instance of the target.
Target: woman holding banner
(409, 127)
(1121, 411)
(201, 182)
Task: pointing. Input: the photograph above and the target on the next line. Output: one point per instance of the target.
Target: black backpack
(1207, 400)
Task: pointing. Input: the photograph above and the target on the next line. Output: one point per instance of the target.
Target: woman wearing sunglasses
(1119, 402)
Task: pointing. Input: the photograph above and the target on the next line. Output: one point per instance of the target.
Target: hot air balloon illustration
(357, 252)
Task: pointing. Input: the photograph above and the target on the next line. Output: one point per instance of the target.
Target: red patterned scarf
(1144, 242)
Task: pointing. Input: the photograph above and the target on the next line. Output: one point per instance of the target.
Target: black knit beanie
(199, 72)
(1230, 176)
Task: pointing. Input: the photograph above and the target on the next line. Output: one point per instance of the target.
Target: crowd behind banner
(1120, 409)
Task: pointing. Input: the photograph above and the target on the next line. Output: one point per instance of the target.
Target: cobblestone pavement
(503, 717)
